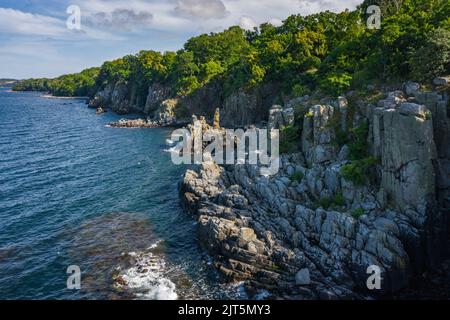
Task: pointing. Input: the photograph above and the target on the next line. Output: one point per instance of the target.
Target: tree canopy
(326, 51)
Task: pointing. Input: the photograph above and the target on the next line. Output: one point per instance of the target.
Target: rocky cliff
(314, 229)
(238, 109)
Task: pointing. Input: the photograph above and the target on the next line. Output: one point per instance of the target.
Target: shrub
(299, 90)
(309, 114)
(357, 213)
(325, 202)
(297, 176)
(358, 146)
(336, 83)
(289, 139)
(334, 202)
(359, 171)
(339, 200)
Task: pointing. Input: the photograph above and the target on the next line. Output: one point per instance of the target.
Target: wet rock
(100, 110)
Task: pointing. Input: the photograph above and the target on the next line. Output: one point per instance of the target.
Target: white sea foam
(155, 245)
(172, 150)
(146, 278)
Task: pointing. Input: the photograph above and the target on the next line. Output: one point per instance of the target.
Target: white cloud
(99, 17)
(28, 24)
(197, 16)
(120, 19)
(275, 22)
(208, 9)
(18, 22)
(247, 23)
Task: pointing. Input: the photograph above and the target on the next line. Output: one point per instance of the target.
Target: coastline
(50, 96)
(310, 232)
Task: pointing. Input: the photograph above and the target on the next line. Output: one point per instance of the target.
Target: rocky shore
(313, 230)
(133, 123)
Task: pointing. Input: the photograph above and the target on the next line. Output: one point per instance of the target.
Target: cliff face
(239, 109)
(120, 98)
(309, 231)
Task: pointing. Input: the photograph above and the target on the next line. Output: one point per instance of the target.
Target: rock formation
(309, 232)
(216, 124)
(133, 123)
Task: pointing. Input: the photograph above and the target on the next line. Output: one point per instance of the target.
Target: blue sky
(35, 42)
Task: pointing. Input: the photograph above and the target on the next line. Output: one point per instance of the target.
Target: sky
(35, 40)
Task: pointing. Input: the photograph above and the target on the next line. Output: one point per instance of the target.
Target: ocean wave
(146, 278)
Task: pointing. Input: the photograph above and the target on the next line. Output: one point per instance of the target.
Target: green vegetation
(339, 200)
(79, 84)
(297, 176)
(358, 145)
(335, 202)
(357, 213)
(359, 171)
(331, 52)
(289, 139)
(325, 202)
(433, 59)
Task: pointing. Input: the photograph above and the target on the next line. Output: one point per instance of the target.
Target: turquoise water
(76, 192)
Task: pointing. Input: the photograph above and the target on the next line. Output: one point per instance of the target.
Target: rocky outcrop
(280, 117)
(113, 96)
(318, 135)
(100, 110)
(308, 232)
(238, 109)
(157, 93)
(405, 144)
(133, 123)
(116, 97)
(259, 230)
(165, 114)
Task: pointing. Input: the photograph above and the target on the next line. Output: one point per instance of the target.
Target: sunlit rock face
(309, 222)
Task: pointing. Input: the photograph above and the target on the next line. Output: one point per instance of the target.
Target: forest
(330, 52)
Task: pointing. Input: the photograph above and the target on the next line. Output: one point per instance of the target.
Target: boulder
(279, 117)
(302, 278)
(442, 81)
(411, 88)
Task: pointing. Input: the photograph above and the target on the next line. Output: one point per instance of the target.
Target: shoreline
(313, 232)
(50, 96)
